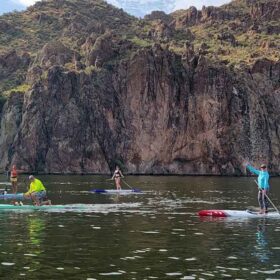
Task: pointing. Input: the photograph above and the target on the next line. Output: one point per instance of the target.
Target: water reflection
(262, 251)
(36, 228)
(116, 198)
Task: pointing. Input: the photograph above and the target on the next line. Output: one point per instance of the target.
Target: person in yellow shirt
(37, 192)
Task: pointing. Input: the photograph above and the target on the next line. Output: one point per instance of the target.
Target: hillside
(241, 32)
(84, 86)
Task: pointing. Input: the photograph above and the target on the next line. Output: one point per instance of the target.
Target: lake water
(153, 235)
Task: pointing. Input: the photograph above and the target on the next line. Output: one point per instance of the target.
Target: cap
(263, 166)
(31, 177)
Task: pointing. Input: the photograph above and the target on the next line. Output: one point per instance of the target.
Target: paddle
(127, 184)
(269, 199)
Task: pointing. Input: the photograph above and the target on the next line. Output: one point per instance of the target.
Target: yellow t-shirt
(36, 186)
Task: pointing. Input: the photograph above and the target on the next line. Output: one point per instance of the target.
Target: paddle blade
(137, 190)
(98, 191)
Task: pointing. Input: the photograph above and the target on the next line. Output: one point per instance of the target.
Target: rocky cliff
(139, 97)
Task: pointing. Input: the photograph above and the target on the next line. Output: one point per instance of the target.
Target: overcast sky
(10, 5)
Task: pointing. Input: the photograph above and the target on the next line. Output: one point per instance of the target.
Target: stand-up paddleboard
(237, 214)
(42, 208)
(88, 208)
(6, 183)
(114, 191)
(16, 196)
(3, 191)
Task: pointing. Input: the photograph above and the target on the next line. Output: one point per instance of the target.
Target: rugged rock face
(161, 31)
(10, 122)
(11, 62)
(101, 51)
(130, 94)
(54, 53)
(159, 15)
(265, 11)
(155, 113)
(192, 16)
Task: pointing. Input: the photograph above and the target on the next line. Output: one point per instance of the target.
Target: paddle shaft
(127, 184)
(269, 199)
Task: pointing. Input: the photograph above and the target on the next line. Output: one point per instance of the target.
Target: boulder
(10, 62)
(227, 37)
(161, 31)
(101, 51)
(54, 53)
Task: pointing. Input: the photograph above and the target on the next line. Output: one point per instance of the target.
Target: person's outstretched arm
(252, 169)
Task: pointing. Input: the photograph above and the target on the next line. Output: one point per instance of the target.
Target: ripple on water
(232, 258)
(150, 232)
(173, 258)
(96, 227)
(128, 258)
(30, 255)
(7, 264)
(173, 274)
(191, 259)
(110, 273)
(268, 271)
(142, 251)
(163, 250)
(226, 275)
(233, 268)
(208, 274)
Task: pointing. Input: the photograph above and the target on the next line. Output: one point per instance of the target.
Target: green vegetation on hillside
(234, 33)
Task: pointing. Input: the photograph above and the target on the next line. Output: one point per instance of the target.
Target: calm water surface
(154, 235)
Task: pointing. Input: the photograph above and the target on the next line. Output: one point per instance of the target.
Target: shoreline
(140, 174)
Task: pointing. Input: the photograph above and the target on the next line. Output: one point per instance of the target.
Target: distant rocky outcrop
(161, 31)
(101, 50)
(193, 16)
(11, 61)
(227, 37)
(54, 53)
(264, 11)
(159, 15)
